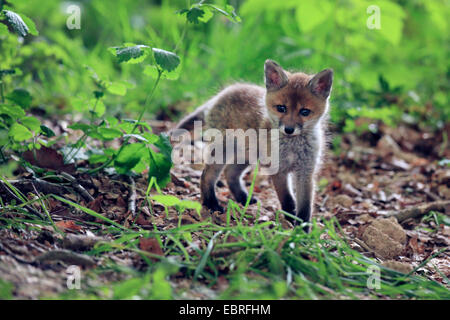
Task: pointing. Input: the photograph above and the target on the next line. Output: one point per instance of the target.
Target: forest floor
(115, 233)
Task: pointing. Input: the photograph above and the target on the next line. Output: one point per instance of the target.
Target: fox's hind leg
(233, 175)
(207, 184)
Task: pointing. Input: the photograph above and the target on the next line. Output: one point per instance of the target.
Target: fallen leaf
(48, 158)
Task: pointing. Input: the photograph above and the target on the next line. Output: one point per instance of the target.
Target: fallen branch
(419, 210)
(26, 185)
(68, 257)
(78, 187)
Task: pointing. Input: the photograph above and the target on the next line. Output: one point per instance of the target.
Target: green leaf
(188, 204)
(19, 132)
(164, 145)
(117, 88)
(16, 22)
(165, 59)
(13, 111)
(31, 123)
(152, 71)
(131, 54)
(129, 157)
(80, 126)
(110, 133)
(30, 24)
(228, 11)
(159, 168)
(47, 131)
(193, 15)
(20, 96)
(166, 200)
(161, 163)
(98, 107)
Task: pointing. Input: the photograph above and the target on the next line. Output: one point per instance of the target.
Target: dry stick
(417, 211)
(26, 185)
(66, 256)
(78, 187)
(132, 197)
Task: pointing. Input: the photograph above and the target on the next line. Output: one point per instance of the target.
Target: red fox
(296, 104)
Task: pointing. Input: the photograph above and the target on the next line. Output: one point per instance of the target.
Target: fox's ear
(276, 78)
(320, 84)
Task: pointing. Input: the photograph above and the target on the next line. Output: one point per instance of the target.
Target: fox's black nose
(289, 130)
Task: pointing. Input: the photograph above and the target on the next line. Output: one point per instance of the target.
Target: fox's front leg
(280, 182)
(304, 189)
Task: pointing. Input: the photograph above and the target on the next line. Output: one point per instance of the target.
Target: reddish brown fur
(295, 96)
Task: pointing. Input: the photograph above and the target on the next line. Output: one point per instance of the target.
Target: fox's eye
(281, 108)
(305, 112)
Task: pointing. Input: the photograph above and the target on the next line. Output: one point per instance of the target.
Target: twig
(417, 211)
(66, 256)
(26, 185)
(132, 197)
(78, 187)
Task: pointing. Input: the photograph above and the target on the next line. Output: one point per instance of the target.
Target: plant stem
(1, 91)
(147, 99)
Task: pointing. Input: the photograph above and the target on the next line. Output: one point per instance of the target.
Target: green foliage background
(410, 51)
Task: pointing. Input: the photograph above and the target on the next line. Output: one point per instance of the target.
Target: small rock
(391, 228)
(398, 266)
(385, 237)
(342, 200)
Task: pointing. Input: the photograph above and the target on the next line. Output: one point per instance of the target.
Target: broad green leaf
(16, 22)
(152, 71)
(31, 123)
(80, 126)
(164, 145)
(117, 88)
(19, 132)
(30, 24)
(228, 11)
(161, 162)
(165, 59)
(20, 96)
(129, 157)
(13, 111)
(131, 54)
(188, 204)
(110, 133)
(193, 15)
(166, 200)
(209, 13)
(98, 107)
(47, 131)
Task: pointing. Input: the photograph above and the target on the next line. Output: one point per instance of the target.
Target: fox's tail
(187, 122)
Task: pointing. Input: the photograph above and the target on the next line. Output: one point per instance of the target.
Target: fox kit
(294, 103)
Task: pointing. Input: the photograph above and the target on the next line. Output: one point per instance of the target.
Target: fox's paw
(243, 200)
(214, 206)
